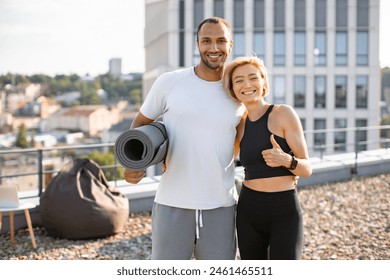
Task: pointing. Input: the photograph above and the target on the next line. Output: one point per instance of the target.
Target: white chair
(9, 202)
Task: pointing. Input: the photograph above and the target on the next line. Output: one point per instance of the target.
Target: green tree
(21, 139)
(135, 96)
(106, 159)
(40, 78)
(117, 89)
(89, 94)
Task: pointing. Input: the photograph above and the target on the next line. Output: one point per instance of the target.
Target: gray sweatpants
(181, 234)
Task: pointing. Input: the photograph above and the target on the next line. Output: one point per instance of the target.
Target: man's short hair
(213, 20)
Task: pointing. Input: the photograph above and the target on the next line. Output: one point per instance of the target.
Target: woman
(273, 152)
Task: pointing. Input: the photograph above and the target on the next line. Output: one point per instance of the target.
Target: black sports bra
(256, 138)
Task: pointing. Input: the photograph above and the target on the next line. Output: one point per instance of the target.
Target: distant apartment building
(110, 135)
(24, 104)
(89, 119)
(2, 101)
(322, 56)
(115, 67)
(18, 96)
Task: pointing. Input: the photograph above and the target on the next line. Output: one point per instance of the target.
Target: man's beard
(212, 66)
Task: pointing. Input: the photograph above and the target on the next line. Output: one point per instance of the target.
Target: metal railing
(40, 165)
(358, 143)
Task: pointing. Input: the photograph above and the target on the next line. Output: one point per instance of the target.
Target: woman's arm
(286, 123)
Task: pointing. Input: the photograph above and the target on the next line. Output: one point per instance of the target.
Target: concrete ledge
(344, 167)
(141, 196)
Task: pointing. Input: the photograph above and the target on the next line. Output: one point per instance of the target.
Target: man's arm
(140, 120)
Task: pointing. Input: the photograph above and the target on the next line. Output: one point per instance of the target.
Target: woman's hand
(276, 157)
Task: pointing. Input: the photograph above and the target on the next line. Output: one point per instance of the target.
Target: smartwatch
(293, 164)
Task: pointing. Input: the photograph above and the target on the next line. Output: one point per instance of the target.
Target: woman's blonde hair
(240, 61)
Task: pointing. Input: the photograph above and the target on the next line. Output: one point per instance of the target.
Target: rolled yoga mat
(141, 147)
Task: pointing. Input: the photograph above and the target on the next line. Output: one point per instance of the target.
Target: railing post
(40, 172)
(355, 167)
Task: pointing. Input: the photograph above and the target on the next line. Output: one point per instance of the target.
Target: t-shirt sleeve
(154, 104)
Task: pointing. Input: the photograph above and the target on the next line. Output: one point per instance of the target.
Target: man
(194, 209)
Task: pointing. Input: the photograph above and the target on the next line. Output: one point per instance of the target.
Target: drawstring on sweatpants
(199, 221)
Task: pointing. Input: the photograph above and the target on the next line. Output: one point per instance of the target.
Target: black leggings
(269, 225)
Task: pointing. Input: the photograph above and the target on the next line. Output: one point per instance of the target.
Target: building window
(258, 14)
(239, 14)
(299, 91)
(320, 14)
(299, 35)
(361, 91)
(341, 14)
(181, 49)
(279, 12)
(320, 92)
(362, 22)
(279, 49)
(362, 48)
(341, 48)
(303, 123)
(258, 27)
(198, 18)
(259, 45)
(279, 89)
(319, 137)
(239, 44)
(362, 14)
(300, 14)
(196, 55)
(299, 49)
(320, 48)
(361, 134)
(198, 13)
(279, 35)
(219, 10)
(238, 24)
(181, 34)
(340, 137)
(341, 91)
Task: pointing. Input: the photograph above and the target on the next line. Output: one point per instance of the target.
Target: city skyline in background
(74, 37)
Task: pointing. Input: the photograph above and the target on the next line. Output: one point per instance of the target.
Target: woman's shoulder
(283, 109)
(286, 115)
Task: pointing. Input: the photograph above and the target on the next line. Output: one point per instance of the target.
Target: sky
(80, 36)
(71, 36)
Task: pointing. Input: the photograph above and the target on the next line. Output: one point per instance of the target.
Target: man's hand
(134, 176)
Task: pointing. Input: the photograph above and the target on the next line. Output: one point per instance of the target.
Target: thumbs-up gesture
(274, 157)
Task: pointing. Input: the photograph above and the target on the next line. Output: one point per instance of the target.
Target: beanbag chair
(80, 204)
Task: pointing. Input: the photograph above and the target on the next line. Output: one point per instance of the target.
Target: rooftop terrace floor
(344, 220)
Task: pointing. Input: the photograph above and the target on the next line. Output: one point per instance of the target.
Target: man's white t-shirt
(201, 124)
